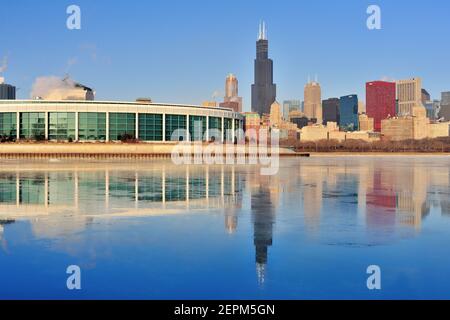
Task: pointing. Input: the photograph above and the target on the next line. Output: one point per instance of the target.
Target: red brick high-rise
(380, 101)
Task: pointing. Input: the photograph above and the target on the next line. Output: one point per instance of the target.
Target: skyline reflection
(378, 196)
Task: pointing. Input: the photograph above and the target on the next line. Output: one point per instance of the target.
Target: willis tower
(264, 91)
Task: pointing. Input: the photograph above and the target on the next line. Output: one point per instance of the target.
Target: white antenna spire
(309, 78)
(316, 78)
(262, 34)
(260, 30)
(264, 31)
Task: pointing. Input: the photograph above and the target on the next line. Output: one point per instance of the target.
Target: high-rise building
(426, 97)
(264, 91)
(231, 87)
(445, 97)
(275, 115)
(289, 106)
(313, 101)
(330, 110)
(444, 108)
(232, 99)
(409, 95)
(348, 112)
(380, 101)
(7, 91)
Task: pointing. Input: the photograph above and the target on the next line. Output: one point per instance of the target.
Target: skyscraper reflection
(323, 194)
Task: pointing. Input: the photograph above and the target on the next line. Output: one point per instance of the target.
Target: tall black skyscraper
(264, 91)
(7, 91)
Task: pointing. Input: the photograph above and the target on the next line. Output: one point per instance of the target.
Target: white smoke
(216, 94)
(70, 63)
(387, 79)
(53, 88)
(4, 64)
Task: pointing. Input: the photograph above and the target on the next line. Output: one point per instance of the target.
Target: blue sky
(180, 51)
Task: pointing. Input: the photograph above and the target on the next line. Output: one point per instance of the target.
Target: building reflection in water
(263, 218)
(376, 193)
(82, 194)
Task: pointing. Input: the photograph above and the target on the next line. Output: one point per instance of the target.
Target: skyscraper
(275, 114)
(264, 91)
(232, 99)
(330, 110)
(444, 109)
(445, 97)
(289, 106)
(409, 95)
(426, 97)
(231, 86)
(7, 91)
(348, 109)
(313, 101)
(380, 101)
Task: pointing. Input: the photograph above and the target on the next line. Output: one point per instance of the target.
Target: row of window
(92, 126)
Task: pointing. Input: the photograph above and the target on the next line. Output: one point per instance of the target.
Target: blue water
(153, 230)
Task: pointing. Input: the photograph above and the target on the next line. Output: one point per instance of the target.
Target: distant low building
(331, 132)
(413, 127)
(209, 104)
(144, 100)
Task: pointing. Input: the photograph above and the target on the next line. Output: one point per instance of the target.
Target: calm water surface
(159, 231)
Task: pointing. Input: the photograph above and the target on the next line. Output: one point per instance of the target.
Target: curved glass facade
(32, 125)
(92, 126)
(214, 126)
(150, 127)
(175, 122)
(8, 124)
(122, 125)
(113, 121)
(227, 133)
(197, 128)
(61, 126)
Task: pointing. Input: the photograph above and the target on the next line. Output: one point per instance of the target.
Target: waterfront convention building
(114, 121)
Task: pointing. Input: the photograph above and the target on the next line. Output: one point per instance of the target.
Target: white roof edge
(114, 102)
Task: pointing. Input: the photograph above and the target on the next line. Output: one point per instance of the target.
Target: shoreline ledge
(88, 150)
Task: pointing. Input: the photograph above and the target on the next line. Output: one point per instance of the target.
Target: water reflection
(311, 195)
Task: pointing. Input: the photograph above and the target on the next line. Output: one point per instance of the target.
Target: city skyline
(93, 57)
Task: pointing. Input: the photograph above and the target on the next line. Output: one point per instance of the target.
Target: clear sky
(180, 51)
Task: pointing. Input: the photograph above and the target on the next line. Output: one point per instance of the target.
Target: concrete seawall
(118, 150)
